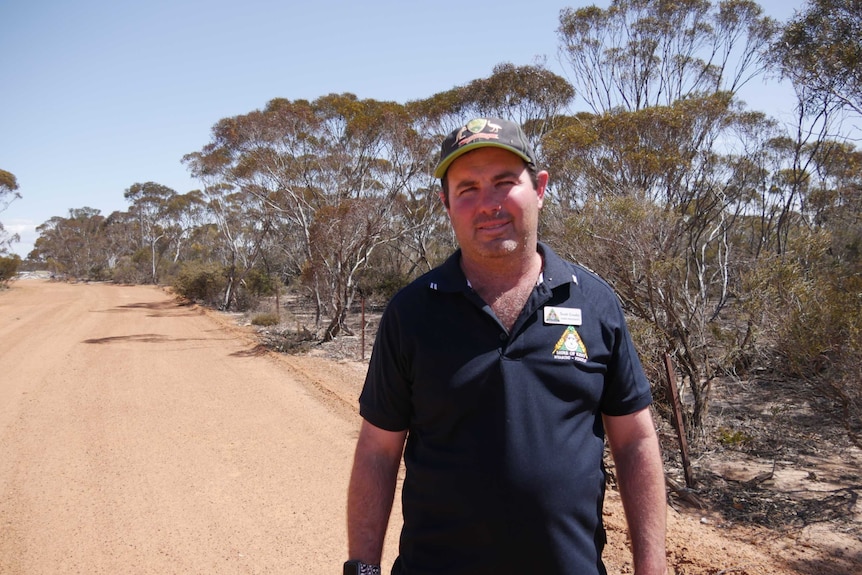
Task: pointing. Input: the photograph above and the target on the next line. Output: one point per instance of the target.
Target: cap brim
(440, 171)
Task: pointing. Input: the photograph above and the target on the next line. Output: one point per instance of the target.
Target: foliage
(820, 50)
(128, 270)
(265, 319)
(331, 175)
(646, 192)
(260, 284)
(533, 96)
(648, 198)
(8, 194)
(200, 282)
(733, 438)
(807, 306)
(8, 189)
(74, 246)
(642, 53)
(9, 268)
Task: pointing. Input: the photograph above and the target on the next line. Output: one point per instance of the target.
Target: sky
(98, 95)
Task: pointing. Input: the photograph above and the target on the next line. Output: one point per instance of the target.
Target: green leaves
(820, 50)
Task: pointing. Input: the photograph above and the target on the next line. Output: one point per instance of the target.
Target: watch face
(351, 568)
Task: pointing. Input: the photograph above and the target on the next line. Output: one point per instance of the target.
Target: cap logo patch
(478, 129)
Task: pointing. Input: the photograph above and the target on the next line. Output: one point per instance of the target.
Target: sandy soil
(139, 435)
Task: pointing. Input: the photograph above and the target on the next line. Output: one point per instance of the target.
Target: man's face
(493, 205)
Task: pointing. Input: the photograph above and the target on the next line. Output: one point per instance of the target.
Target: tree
(150, 207)
(8, 189)
(73, 246)
(184, 214)
(314, 168)
(655, 217)
(9, 268)
(820, 49)
(805, 299)
(647, 182)
(642, 53)
(8, 194)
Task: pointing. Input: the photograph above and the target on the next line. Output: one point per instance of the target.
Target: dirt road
(140, 436)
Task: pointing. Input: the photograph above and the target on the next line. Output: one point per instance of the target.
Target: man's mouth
(492, 225)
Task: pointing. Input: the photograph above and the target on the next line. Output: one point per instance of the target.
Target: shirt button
(503, 337)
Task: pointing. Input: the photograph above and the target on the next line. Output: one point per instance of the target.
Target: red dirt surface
(140, 435)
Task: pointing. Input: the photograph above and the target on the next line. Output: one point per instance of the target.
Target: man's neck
(502, 273)
(505, 286)
(493, 277)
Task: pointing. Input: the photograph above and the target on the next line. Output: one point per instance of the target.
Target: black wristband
(360, 568)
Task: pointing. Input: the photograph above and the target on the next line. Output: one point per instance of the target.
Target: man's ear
(541, 185)
(444, 199)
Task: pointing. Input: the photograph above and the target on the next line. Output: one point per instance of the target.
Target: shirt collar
(449, 277)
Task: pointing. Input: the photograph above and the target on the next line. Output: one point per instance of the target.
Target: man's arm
(635, 449)
(372, 488)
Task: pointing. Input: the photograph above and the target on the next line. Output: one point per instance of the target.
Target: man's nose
(491, 201)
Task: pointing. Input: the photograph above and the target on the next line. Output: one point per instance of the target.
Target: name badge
(563, 315)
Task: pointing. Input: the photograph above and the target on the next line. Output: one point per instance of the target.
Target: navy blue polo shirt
(505, 437)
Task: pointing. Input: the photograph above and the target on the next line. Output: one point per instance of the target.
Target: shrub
(127, 271)
(807, 309)
(265, 319)
(259, 283)
(200, 282)
(9, 267)
(733, 438)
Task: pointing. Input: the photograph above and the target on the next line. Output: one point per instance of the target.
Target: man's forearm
(369, 498)
(642, 489)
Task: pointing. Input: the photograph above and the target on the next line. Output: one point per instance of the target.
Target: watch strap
(360, 568)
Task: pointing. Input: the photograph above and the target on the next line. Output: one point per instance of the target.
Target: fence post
(362, 339)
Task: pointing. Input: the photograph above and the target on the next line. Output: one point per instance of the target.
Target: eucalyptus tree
(120, 243)
(647, 175)
(73, 246)
(820, 49)
(805, 299)
(185, 213)
(231, 168)
(328, 175)
(8, 194)
(8, 189)
(641, 53)
(149, 208)
(244, 222)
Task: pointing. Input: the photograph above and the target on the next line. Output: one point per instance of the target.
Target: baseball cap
(483, 133)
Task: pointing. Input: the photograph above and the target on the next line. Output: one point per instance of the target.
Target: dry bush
(807, 312)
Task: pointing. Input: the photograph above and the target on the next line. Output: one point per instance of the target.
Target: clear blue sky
(100, 94)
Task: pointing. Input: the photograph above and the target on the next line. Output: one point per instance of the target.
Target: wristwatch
(360, 568)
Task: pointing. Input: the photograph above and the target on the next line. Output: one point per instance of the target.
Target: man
(503, 369)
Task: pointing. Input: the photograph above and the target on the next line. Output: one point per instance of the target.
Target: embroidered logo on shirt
(571, 346)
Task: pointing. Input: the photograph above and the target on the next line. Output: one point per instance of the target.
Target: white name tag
(563, 315)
